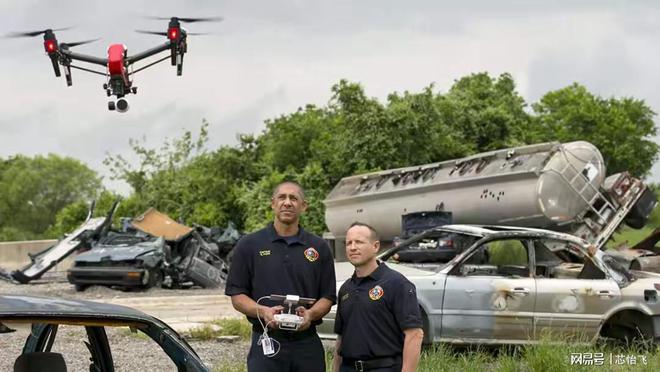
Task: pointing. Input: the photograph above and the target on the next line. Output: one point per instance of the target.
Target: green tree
(622, 129)
(488, 112)
(36, 189)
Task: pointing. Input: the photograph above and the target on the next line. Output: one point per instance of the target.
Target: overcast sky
(270, 57)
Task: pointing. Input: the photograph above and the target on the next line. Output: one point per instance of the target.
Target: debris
(227, 339)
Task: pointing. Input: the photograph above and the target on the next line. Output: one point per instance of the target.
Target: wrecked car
(31, 325)
(153, 249)
(522, 285)
(135, 262)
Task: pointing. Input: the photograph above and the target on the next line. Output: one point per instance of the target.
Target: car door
(489, 295)
(572, 296)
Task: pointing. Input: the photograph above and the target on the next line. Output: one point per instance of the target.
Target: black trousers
(294, 355)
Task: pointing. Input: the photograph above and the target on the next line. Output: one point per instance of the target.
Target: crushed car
(522, 285)
(42, 319)
(153, 250)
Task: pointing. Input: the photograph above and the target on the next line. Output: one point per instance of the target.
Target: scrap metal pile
(151, 250)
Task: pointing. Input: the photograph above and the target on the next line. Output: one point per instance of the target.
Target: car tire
(155, 279)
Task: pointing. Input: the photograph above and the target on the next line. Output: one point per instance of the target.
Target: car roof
(12, 305)
(495, 230)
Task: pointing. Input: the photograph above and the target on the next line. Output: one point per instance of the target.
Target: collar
(375, 275)
(300, 238)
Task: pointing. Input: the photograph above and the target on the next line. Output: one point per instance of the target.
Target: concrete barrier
(14, 255)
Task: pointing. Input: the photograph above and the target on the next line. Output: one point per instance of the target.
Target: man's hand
(301, 311)
(268, 315)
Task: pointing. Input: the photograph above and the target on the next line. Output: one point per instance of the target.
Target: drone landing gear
(179, 64)
(67, 74)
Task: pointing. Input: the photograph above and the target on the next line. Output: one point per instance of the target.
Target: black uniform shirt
(265, 263)
(373, 312)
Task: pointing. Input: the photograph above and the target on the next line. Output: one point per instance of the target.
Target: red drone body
(116, 54)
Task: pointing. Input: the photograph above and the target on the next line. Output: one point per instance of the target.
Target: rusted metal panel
(156, 223)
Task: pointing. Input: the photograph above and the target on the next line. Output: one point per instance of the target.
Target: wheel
(111, 105)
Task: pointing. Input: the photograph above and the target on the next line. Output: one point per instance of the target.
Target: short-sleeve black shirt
(373, 312)
(264, 263)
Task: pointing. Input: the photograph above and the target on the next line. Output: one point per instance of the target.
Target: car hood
(121, 253)
(344, 270)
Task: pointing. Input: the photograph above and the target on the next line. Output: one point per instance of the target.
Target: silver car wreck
(521, 286)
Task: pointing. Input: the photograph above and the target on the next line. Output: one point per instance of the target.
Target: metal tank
(542, 185)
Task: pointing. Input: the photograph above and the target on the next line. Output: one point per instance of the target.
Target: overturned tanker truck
(560, 187)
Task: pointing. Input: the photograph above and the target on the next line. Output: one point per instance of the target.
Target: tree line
(46, 196)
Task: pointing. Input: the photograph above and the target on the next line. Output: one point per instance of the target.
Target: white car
(520, 286)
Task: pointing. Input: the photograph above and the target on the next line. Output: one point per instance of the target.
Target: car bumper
(121, 276)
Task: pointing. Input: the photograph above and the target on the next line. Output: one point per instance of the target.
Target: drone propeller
(69, 45)
(152, 32)
(35, 33)
(189, 20)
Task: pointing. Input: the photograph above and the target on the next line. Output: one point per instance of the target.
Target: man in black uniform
(378, 322)
(283, 259)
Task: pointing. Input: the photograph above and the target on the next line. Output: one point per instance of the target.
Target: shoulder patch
(264, 253)
(376, 293)
(311, 254)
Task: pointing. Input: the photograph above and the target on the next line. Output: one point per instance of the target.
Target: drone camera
(122, 105)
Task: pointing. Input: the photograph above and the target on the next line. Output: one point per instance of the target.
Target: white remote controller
(288, 321)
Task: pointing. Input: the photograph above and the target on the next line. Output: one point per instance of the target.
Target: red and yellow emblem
(311, 254)
(376, 293)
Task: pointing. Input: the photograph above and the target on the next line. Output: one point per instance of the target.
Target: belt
(365, 365)
(282, 335)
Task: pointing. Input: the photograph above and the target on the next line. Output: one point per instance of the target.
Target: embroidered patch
(376, 293)
(344, 297)
(264, 253)
(311, 254)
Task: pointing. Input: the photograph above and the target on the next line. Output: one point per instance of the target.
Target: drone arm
(149, 65)
(85, 58)
(149, 52)
(88, 70)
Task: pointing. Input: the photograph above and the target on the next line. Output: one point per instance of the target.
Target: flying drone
(118, 64)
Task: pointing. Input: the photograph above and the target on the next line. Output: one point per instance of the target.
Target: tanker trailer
(555, 186)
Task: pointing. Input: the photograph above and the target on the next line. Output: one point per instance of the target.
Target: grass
(126, 331)
(544, 357)
(227, 327)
